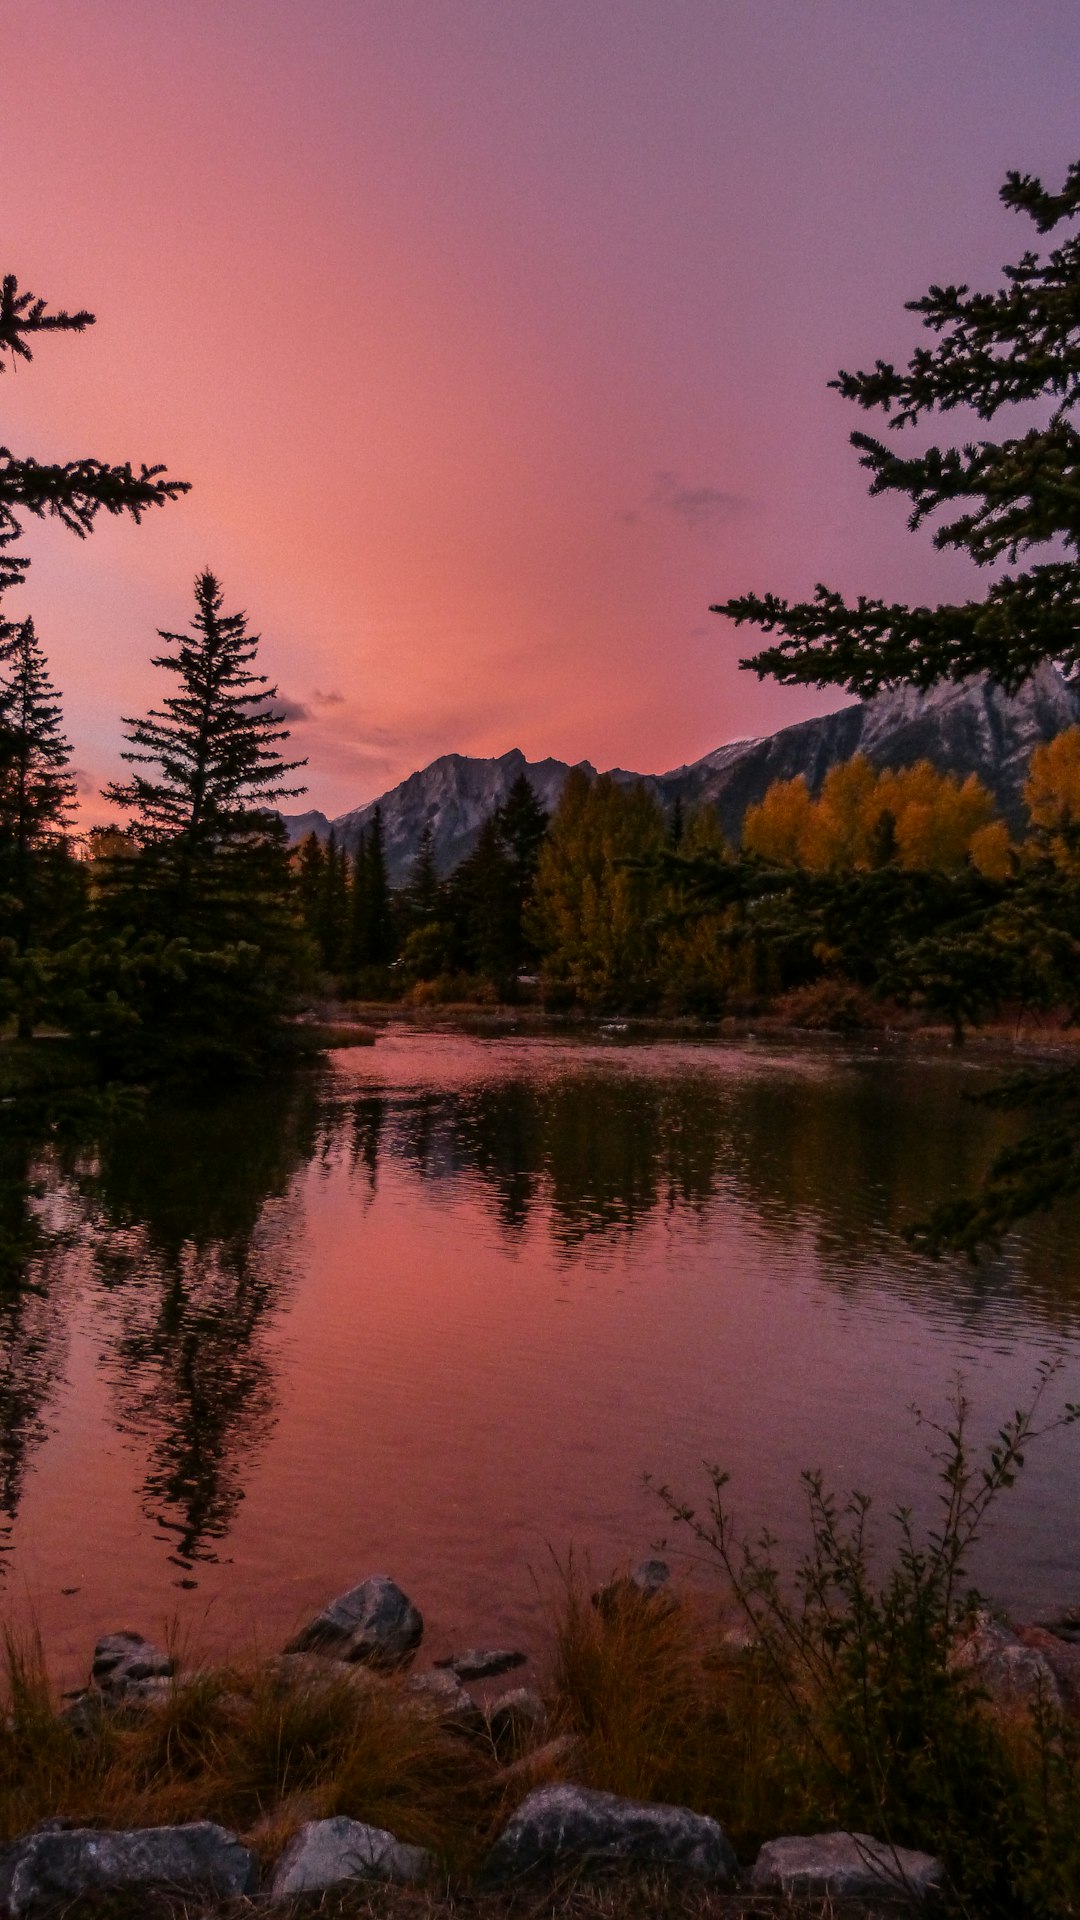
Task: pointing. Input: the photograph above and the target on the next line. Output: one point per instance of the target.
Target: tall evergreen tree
(37, 791)
(374, 924)
(1014, 496)
(522, 824)
(212, 880)
(358, 904)
(997, 500)
(213, 744)
(421, 902)
(73, 491)
(333, 909)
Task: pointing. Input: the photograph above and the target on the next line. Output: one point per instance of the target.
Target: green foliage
(591, 914)
(894, 1737)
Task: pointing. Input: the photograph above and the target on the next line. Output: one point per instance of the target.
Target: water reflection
(844, 1151)
(176, 1244)
(192, 1233)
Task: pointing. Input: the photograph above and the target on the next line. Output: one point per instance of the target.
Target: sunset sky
(493, 336)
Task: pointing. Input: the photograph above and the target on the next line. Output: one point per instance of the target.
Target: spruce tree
(421, 901)
(375, 929)
(39, 882)
(358, 904)
(995, 500)
(522, 824)
(212, 884)
(1001, 499)
(73, 491)
(37, 792)
(213, 744)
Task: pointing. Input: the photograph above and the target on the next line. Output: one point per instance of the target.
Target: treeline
(900, 886)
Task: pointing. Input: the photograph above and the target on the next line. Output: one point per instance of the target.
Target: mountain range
(971, 726)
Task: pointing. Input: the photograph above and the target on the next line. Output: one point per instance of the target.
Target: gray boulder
(844, 1866)
(447, 1698)
(557, 1826)
(121, 1658)
(1011, 1674)
(374, 1622)
(326, 1852)
(477, 1664)
(53, 1867)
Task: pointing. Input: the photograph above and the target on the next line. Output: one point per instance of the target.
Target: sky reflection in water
(436, 1309)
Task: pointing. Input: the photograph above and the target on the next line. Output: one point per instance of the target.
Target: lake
(436, 1307)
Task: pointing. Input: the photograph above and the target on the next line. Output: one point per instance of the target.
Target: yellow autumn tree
(914, 816)
(1052, 794)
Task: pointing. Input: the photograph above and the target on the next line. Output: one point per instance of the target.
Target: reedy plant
(896, 1739)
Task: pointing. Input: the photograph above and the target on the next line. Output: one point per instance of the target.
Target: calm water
(435, 1309)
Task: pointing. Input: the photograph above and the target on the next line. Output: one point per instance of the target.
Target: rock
(57, 1867)
(444, 1693)
(479, 1665)
(1062, 1656)
(326, 1852)
(1063, 1622)
(374, 1622)
(560, 1825)
(647, 1580)
(121, 1658)
(843, 1866)
(514, 1716)
(1010, 1673)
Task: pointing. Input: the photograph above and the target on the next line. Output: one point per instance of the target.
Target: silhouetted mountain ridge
(969, 727)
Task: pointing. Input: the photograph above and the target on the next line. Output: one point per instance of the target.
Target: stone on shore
(648, 1579)
(479, 1664)
(324, 1853)
(844, 1866)
(125, 1657)
(374, 1622)
(1011, 1674)
(558, 1826)
(514, 1716)
(55, 1867)
(447, 1698)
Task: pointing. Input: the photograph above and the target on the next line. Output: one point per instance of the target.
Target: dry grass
(260, 1750)
(667, 1707)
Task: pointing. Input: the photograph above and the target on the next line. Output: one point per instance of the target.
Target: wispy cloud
(695, 506)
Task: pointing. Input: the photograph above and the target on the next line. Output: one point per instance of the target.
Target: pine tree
(332, 922)
(75, 491)
(310, 871)
(1017, 345)
(998, 500)
(421, 901)
(358, 904)
(214, 743)
(211, 888)
(37, 791)
(482, 904)
(374, 924)
(522, 824)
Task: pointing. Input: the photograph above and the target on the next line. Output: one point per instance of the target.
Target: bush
(892, 1738)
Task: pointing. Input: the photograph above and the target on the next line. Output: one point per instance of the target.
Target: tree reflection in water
(192, 1229)
(187, 1220)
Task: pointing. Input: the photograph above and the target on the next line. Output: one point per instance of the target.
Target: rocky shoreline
(368, 1638)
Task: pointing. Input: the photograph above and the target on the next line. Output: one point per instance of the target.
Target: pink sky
(493, 336)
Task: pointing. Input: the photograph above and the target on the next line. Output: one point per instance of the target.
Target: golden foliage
(914, 817)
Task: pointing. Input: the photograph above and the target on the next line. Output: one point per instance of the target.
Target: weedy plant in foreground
(894, 1737)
